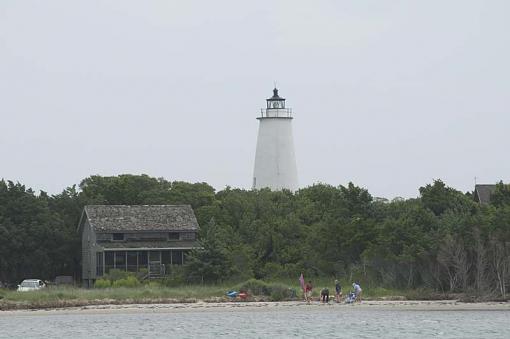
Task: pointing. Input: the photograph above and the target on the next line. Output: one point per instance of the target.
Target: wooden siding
(86, 250)
(144, 236)
(188, 236)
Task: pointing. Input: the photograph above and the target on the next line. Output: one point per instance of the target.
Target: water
(268, 323)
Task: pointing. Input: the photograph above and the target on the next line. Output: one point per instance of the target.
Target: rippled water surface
(262, 323)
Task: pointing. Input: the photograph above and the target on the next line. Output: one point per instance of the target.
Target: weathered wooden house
(141, 238)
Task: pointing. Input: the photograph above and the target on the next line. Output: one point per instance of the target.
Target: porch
(152, 261)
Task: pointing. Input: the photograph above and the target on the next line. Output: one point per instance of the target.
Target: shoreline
(203, 306)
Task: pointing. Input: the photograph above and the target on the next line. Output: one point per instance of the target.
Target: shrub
(280, 292)
(255, 287)
(275, 290)
(154, 283)
(175, 276)
(130, 281)
(102, 283)
(116, 274)
(142, 274)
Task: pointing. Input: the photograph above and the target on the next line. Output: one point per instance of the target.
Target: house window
(188, 236)
(174, 236)
(118, 236)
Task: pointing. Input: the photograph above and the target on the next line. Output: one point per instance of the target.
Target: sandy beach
(436, 305)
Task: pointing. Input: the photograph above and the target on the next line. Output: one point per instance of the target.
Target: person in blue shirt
(357, 291)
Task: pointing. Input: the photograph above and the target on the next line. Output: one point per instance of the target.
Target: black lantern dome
(275, 102)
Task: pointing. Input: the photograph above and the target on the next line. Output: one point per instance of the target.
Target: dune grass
(369, 292)
(54, 297)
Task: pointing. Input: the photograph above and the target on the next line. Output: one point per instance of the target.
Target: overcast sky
(386, 94)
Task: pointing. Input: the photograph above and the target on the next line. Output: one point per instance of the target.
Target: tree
(439, 198)
(453, 257)
(501, 195)
(212, 262)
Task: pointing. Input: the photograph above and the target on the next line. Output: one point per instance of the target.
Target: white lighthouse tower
(275, 160)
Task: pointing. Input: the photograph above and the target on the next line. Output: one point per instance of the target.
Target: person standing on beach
(302, 284)
(338, 291)
(308, 291)
(357, 291)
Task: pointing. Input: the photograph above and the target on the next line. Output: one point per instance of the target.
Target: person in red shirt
(308, 291)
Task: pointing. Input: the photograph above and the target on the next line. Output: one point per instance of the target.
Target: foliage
(103, 283)
(212, 262)
(175, 276)
(129, 281)
(441, 241)
(116, 274)
(276, 291)
(255, 287)
(118, 278)
(280, 292)
(501, 195)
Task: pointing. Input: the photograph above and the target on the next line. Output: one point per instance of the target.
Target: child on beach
(308, 291)
(338, 291)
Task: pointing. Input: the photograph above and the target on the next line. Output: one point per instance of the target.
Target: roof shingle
(484, 192)
(122, 218)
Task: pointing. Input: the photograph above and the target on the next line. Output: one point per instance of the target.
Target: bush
(116, 274)
(119, 278)
(102, 283)
(175, 276)
(130, 281)
(280, 292)
(154, 283)
(255, 287)
(142, 274)
(274, 290)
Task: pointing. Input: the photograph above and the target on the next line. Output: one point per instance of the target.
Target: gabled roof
(483, 193)
(124, 218)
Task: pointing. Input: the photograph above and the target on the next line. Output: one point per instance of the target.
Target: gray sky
(387, 94)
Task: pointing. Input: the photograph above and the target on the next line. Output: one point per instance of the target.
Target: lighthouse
(275, 160)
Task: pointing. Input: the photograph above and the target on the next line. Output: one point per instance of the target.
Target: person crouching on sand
(325, 295)
(338, 291)
(308, 291)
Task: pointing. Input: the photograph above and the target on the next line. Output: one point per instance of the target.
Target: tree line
(442, 240)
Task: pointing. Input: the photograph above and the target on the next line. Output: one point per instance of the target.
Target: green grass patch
(127, 291)
(116, 293)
